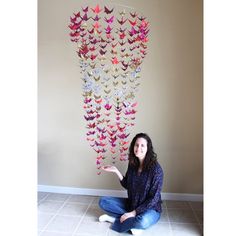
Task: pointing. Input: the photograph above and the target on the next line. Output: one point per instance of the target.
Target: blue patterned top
(144, 189)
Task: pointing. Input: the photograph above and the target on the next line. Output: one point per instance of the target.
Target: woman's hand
(109, 168)
(113, 169)
(127, 215)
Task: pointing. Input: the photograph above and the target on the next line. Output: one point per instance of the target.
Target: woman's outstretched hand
(109, 168)
(113, 169)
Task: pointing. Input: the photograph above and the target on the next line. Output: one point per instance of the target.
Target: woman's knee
(103, 202)
(142, 222)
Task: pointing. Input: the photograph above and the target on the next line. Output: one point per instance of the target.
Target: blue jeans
(116, 207)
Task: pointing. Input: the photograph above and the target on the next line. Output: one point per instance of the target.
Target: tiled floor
(74, 215)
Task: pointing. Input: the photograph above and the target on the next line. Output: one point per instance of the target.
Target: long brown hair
(150, 158)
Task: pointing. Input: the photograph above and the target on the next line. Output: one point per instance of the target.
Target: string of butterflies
(111, 46)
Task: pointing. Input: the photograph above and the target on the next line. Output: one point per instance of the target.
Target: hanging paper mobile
(111, 46)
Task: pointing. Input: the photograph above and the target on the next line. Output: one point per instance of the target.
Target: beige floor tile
(185, 229)
(184, 222)
(96, 200)
(177, 205)
(93, 228)
(93, 213)
(49, 206)
(47, 233)
(158, 229)
(181, 216)
(196, 205)
(199, 215)
(114, 233)
(57, 197)
(43, 219)
(163, 204)
(63, 224)
(41, 195)
(202, 229)
(74, 209)
(81, 199)
(161, 229)
(164, 216)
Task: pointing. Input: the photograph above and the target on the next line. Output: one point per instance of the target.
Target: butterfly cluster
(111, 46)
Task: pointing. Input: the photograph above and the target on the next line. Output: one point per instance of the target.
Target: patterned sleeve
(154, 195)
(123, 182)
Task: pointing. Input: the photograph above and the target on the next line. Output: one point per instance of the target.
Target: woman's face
(140, 148)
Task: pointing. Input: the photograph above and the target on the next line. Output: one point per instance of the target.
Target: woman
(143, 181)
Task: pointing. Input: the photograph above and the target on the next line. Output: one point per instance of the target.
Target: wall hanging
(111, 44)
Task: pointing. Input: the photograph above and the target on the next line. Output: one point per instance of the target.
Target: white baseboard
(115, 193)
(82, 191)
(182, 197)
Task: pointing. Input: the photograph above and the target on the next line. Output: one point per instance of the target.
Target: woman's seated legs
(114, 206)
(141, 221)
